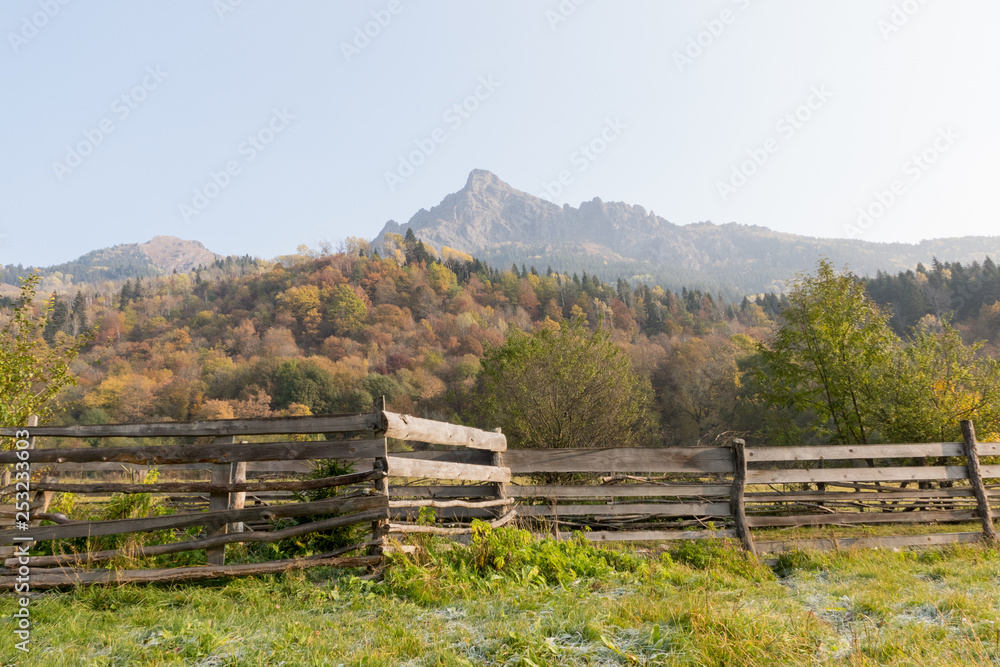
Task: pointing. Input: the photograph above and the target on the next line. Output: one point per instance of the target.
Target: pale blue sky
(673, 129)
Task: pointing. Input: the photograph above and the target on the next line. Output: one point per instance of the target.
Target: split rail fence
(251, 486)
(462, 473)
(658, 494)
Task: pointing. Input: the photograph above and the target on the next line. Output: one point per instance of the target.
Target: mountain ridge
(499, 224)
(160, 255)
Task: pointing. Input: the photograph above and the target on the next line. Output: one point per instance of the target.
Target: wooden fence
(637, 494)
(268, 474)
(462, 473)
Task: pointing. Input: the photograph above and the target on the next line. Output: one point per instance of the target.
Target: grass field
(510, 600)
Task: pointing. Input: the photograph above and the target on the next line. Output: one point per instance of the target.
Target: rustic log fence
(462, 473)
(662, 494)
(679, 493)
(251, 485)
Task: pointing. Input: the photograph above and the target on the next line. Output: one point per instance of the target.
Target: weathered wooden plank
(68, 577)
(625, 459)
(406, 467)
(219, 427)
(203, 543)
(861, 518)
(266, 513)
(988, 448)
(651, 535)
(217, 452)
(279, 466)
(620, 491)
(255, 467)
(847, 452)
(448, 491)
(435, 530)
(870, 497)
(888, 474)
(209, 487)
(630, 509)
(408, 427)
(439, 504)
(9, 510)
(886, 541)
(470, 456)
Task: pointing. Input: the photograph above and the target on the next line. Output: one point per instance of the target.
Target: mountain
(499, 224)
(158, 256)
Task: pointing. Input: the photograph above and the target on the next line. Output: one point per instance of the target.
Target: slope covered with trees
(323, 332)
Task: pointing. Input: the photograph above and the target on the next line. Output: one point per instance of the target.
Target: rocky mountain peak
(497, 223)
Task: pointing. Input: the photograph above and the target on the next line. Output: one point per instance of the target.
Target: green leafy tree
(348, 312)
(32, 371)
(939, 382)
(565, 387)
(832, 356)
(836, 361)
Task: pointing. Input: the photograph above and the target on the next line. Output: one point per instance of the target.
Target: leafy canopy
(32, 371)
(835, 358)
(564, 387)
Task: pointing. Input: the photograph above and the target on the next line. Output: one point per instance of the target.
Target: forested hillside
(968, 294)
(329, 333)
(322, 332)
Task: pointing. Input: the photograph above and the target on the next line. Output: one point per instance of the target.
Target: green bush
(322, 541)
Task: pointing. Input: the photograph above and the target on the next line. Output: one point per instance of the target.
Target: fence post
(222, 473)
(237, 499)
(976, 480)
(736, 504)
(499, 488)
(380, 527)
(43, 496)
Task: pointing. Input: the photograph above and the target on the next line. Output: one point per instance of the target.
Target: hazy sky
(255, 126)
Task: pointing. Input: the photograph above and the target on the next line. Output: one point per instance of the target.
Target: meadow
(511, 599)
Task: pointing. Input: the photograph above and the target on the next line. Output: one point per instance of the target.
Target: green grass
(511, 600)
